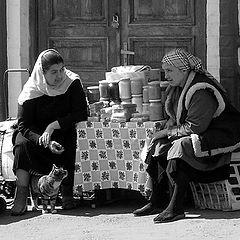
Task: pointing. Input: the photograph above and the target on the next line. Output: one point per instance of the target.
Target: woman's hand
(160, 134)
(55, 147)
(46, 136)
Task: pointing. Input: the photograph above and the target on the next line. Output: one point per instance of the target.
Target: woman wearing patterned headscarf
(195, 145)
(51, 103)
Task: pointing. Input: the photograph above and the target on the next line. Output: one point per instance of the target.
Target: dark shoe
(70, 203)
(148, 209)
(20, 201)
(168, 216)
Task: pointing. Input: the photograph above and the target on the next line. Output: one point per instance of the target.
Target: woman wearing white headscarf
(201, 131)
(51, 103)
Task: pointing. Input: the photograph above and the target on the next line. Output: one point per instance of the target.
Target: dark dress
(33, 118)
(178, 150)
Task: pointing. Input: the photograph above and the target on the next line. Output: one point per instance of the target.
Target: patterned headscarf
(36, 86)
(183, 60)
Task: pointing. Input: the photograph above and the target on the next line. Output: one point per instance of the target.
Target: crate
(222, 195)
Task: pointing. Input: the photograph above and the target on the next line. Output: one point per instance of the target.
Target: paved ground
(115, 221)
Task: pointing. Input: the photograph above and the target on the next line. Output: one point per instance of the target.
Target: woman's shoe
(148, 209)
(20, 201)
(168, 216)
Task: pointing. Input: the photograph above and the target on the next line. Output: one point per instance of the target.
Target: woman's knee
(21, 146)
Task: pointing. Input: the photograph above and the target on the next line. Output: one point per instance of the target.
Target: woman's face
(174, 76)
(55, 74)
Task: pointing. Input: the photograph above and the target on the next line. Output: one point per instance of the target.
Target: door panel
(82, 31)
(152, 28)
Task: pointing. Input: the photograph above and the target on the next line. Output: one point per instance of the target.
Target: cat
(47, 187)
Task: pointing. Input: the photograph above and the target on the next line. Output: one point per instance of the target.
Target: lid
(114, 81)
(138, 95)
(127, 79)
(103, 82)
(136, 79)
(93, 87)
(126, 105)
(154, 83)
(154, 100)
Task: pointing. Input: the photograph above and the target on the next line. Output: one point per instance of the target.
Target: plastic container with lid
(156, 110)
(145, 94)
(93, 94)
(114, 92)
(104, 90)
(126, 101)
(145, 108)
(129, 109)
(138, 100)
(163, 87)
(136, 86)
(124, 88)
(154, 90)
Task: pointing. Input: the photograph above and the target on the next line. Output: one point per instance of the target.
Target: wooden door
(151, 28)
(82, 31)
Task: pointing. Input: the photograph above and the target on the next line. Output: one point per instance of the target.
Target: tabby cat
(47, 187)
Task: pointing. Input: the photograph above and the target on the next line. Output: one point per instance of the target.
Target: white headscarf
(36, 86)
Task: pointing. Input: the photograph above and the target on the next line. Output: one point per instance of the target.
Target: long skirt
(37, 159)
(205, 170)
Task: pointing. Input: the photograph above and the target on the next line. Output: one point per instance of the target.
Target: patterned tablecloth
(109, 155)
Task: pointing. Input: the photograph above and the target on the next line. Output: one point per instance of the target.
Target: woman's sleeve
(78, 111)
(202, 107)
(26, 121)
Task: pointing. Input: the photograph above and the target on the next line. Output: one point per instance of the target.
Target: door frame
(33, 33)
(3, 58)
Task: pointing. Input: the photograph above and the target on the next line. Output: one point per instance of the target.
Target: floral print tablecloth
(109, 155)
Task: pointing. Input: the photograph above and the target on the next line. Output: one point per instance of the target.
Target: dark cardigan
(34, 116)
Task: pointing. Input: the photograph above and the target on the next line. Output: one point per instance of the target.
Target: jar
(104, 90)
(136, 86)
(154, 90)
(93, 94)
(114, 92)
(124, 88)
(163, 87)
(129, 109)
(126, 101)
(138, 100)
(145, 94)
(145, 108)
(155, 110)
